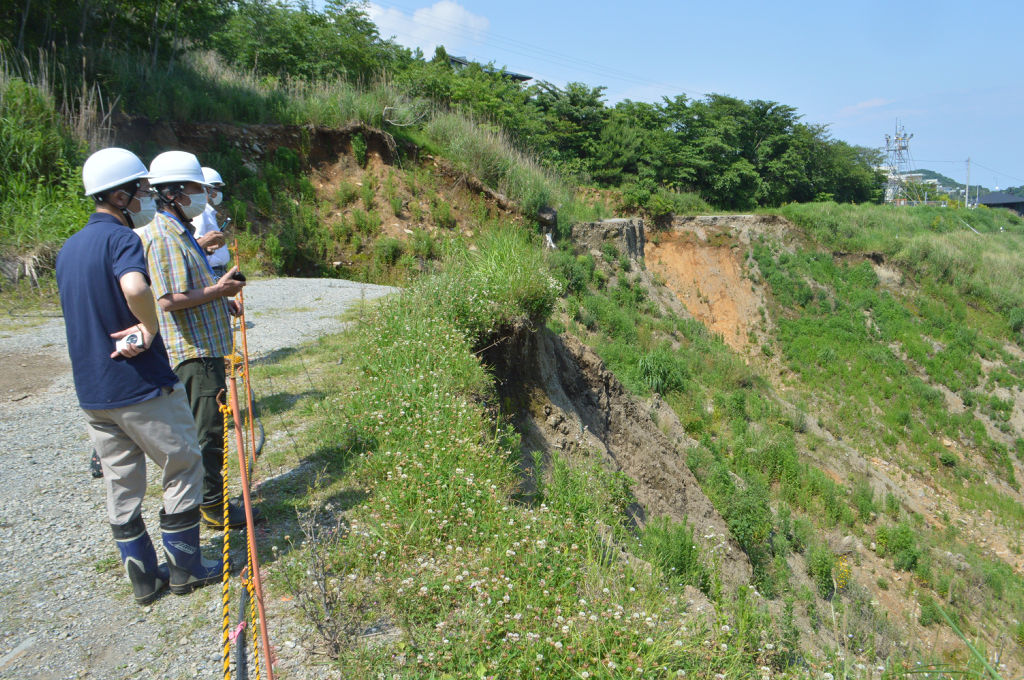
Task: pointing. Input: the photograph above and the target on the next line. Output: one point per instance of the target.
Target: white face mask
(146, 212)
(216, 198)
(196, 208)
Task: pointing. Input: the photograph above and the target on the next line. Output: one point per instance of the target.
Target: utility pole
(967, 187)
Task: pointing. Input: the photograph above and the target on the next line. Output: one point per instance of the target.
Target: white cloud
(864, 106)
(443, 23)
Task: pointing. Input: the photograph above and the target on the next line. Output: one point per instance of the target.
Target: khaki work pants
(162, 429)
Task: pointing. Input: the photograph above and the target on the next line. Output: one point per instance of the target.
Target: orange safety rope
(246, 381)
(253, 583)
(254, 565)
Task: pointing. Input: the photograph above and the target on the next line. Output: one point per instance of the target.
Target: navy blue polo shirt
(89, 271)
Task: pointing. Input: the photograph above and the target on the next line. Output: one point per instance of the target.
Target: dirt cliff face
(703, 260)
(567, 401)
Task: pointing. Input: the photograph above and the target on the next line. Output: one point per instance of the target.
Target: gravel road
(63, 613)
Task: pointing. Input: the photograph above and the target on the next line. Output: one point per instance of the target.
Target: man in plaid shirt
(195, 310)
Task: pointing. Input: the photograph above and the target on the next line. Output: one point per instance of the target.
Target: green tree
(276, 38)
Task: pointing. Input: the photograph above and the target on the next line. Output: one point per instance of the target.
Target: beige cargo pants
(162, 429)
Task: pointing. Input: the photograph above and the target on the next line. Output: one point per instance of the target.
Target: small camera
(238, 276)
(131, 340)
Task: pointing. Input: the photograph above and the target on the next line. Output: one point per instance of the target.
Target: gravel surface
(64, 612)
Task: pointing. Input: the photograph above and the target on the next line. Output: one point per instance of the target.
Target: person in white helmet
(207, 231)
(195, 313)
(135, 406)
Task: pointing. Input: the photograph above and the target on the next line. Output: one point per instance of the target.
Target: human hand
(142, 341)
(235, 307)
(210, 241)
(230, 286)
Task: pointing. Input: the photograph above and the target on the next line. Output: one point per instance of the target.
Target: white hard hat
(175, 166)
(109, 168)
(212, 177)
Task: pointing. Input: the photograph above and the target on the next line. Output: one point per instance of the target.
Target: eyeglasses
(139, 193)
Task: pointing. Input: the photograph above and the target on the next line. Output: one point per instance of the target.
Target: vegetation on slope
(432, 543)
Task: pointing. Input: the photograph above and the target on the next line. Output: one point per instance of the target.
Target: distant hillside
(950, 182)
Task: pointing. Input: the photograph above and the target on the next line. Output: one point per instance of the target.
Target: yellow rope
(226, 578)
(253, 616)
(236, 362)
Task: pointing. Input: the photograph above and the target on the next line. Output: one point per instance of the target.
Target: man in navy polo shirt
(134, 405)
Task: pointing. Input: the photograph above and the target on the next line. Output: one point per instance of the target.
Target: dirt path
(66, 610)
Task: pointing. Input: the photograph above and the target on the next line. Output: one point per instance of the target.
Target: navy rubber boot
(139, 559)
(189, 569)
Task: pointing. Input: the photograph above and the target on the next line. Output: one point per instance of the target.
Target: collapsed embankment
(567, 401)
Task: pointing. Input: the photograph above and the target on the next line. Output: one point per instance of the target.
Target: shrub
(441, 213)
(900, 543)
(423, 244)
(671, 546)
(346, 194)
(863, 500)
(367, 223)
(750, 522)
(820, 564)
(368, 191)
(929, 611)
(359, 149)
(387, 250)
(574, 271)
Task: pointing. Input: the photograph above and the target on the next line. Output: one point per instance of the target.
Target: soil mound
(566, 400)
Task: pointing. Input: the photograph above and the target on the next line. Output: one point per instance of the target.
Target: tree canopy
(736, 154)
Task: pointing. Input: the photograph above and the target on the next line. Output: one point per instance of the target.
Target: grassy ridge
(479, 585)
(938, 245)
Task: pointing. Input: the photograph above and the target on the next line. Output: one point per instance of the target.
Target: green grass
(847, 336)
(433, 543)
(935, 244)
(41, 195)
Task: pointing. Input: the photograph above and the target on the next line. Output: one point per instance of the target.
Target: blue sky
(950, 73)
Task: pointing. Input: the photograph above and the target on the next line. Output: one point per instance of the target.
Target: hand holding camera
(231, 283)
(131, 342)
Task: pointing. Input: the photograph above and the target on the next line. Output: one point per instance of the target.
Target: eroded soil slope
(567, 401)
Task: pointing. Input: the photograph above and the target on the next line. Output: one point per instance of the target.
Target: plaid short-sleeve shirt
(177, 266)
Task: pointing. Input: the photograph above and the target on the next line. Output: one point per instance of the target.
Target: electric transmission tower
(897, 147)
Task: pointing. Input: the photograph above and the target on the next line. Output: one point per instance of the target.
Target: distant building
(459, 63)
(1001, 199)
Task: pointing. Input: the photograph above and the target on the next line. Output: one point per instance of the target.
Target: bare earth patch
(28, 374)
(709, 280)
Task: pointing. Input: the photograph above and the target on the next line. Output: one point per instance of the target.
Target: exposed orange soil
(709, 280)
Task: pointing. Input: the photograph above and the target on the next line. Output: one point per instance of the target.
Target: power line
(534, 51)
(999, 172)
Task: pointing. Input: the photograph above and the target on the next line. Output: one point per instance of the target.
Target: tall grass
(201, 88)
(971, 251)
(42, 145)
(479, 585)
(490, 156)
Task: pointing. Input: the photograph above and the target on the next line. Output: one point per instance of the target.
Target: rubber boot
(213, 514)
(139, 559)
(189, 569)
